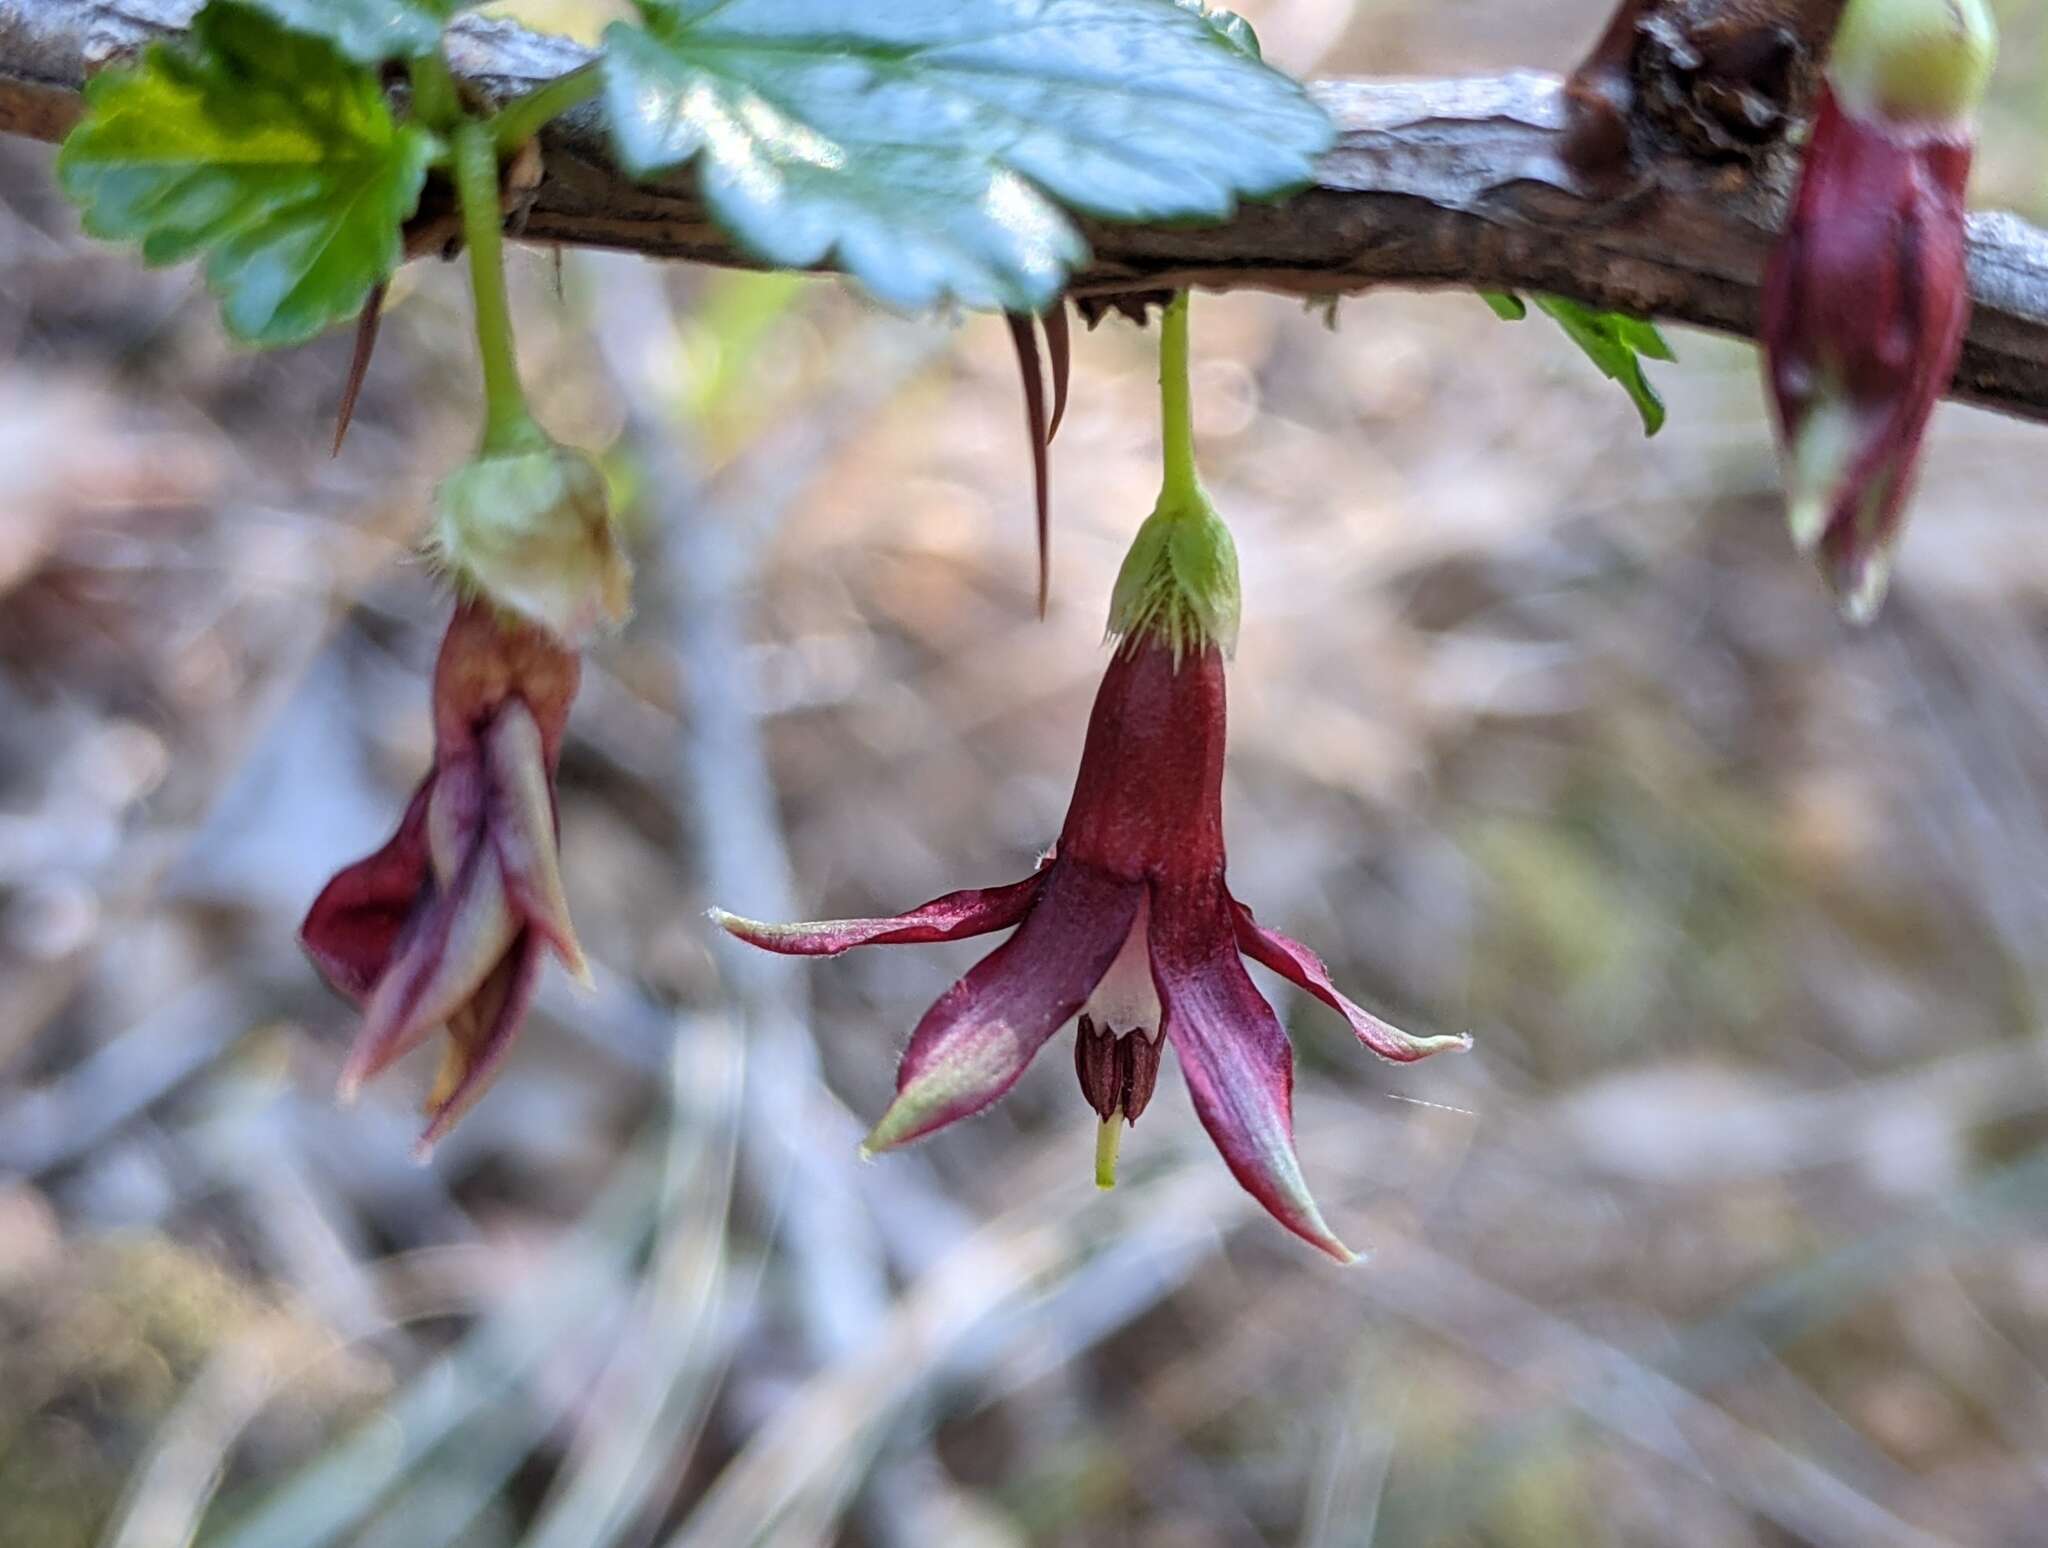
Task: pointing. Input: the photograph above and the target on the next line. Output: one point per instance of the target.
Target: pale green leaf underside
(932, 148)
(265, 151)
(369, 31)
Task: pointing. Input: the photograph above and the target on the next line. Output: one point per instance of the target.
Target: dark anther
(1118, 1071)
(1095, 1061)
(1138, 1065)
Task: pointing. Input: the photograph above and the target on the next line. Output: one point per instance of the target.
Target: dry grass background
(1729, 1230)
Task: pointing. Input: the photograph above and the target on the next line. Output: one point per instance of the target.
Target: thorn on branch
(1024, 335)
(359, 363)
(1059, 350)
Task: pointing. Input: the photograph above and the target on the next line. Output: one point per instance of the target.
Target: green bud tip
(1923, 62)
(1179, 581)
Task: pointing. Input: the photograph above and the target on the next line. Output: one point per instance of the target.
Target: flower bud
(531, 529)
(1867, 295)
(1913, 61)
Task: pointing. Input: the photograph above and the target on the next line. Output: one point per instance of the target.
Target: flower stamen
(1118, 1071)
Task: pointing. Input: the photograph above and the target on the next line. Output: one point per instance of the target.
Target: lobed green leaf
(934, 148)
(266, 151)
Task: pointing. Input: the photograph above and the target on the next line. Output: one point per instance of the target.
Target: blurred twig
(492, 1363)
(46, 1128)
(797, 1144)
(656, 1390)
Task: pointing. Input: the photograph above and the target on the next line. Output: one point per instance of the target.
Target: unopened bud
(1914, 61)
(1866, 298)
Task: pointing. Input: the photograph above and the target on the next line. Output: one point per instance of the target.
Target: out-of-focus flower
(447, 925)
(1129, 924)
(1867, 294)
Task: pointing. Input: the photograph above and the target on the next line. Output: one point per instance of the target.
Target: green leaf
(368, 31)
(928, 146)
(264, 150)
(1613, 341)
(1232, 27)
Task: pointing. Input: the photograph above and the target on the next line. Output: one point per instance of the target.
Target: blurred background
(1729, 1230)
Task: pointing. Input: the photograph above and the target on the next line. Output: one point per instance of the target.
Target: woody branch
(1501, 182)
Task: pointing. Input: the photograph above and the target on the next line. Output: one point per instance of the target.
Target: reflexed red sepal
(1303, 968)
(1239, 1068)
(954, 917)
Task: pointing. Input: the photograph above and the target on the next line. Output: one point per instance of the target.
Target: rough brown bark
(1448, 183)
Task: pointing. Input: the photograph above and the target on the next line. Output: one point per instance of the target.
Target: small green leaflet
(261, 148)
(368, 31)
(928, 146)
(1613, 341)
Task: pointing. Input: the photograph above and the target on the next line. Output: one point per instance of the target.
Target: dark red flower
(1866, 298)
(447, 924)
(1130, 927)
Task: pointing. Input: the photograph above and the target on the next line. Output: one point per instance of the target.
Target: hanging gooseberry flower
(1129, 924)
(1867, 294)
(448, 924)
